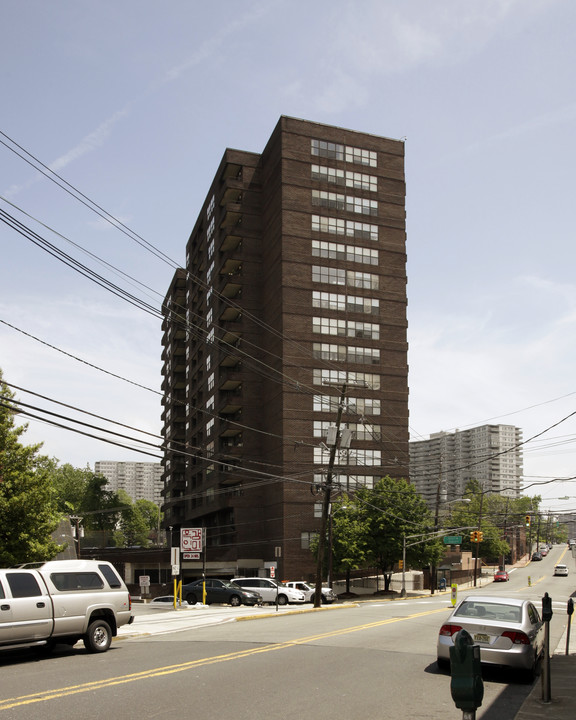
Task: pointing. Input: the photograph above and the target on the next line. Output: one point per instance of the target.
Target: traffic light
(400, 564)
(527, 520)
(480, 536)
(474, 536)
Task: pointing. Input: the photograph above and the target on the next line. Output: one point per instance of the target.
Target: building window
(306, 539)
(349, 228)
(209, 427)
(338, 377)
(210, 382)
(337, 276)
(336, 151)
(348, 203)
(340, 251)
(345, 178)
(211, 205)
(360, 406)
(343, 353)
(365, 457)
(345, 303)
(346, 328)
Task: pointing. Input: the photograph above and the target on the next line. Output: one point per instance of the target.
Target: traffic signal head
(474, 536)
(480, 536)
(527, 520)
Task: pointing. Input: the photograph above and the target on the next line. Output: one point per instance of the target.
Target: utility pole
(478, 544)
(326, 503)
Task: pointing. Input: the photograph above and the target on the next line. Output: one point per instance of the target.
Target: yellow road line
(182, 667)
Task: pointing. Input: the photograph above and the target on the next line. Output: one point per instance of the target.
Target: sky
(133, 103)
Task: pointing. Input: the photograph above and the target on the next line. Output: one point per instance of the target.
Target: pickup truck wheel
(98, 637)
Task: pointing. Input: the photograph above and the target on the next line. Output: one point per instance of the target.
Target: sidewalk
(562, 705)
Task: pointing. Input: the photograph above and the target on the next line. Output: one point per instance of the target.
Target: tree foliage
(28, 512)
(498, 517)
(376, 521)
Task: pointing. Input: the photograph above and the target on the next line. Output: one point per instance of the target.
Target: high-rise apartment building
(141, 480)
(442, 466)
(293, 297)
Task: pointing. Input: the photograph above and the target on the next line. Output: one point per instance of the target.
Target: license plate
(482, 637)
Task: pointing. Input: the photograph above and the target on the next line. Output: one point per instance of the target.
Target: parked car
(63, 601)
(536, 556)
(561, 570)
(544, 551)
(219, 591)
(509, 631)
(501, 576)
(309, 590)
(167, 602)
(271, 590)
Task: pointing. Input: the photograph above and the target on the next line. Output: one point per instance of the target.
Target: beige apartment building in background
(141, 480)
(442, 465)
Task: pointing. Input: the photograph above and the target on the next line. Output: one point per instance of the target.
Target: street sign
(453, 540)
(191, 539)
(144, 580)
(190, 556)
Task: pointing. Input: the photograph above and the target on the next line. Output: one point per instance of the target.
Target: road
(374, 660)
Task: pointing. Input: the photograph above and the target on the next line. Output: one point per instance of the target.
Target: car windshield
(490, 611)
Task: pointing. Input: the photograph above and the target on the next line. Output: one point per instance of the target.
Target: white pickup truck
(62, 601)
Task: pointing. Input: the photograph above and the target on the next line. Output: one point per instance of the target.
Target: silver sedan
(508, 631)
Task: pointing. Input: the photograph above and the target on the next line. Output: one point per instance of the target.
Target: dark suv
(219, 591)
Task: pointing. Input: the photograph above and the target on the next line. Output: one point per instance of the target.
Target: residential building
(141, 480)
(442, 466)
(293, 297)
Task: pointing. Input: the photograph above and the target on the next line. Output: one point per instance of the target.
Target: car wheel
(282, 600)
(98, 637)
(235, 601)
(533, 673)
(191, 599)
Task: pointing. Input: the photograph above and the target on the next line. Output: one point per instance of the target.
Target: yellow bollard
(529, 581)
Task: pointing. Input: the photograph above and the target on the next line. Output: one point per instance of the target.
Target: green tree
(100, 507)
(348, 538)
(71, 488)
(28, 513)
(133, 524)
(389, 512)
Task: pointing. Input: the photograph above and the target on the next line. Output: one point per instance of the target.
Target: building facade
(291, 305)
(442, 466)
(141, 480)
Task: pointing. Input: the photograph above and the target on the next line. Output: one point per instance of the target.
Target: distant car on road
(501, 576)
(537, 556)
(508, 631)
(561, 570)
(220, 591)
(309, 590)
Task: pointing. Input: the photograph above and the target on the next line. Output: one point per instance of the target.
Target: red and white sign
(190, 556)
(191, 539)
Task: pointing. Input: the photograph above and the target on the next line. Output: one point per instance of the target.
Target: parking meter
(546, 608)
(466, 683)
